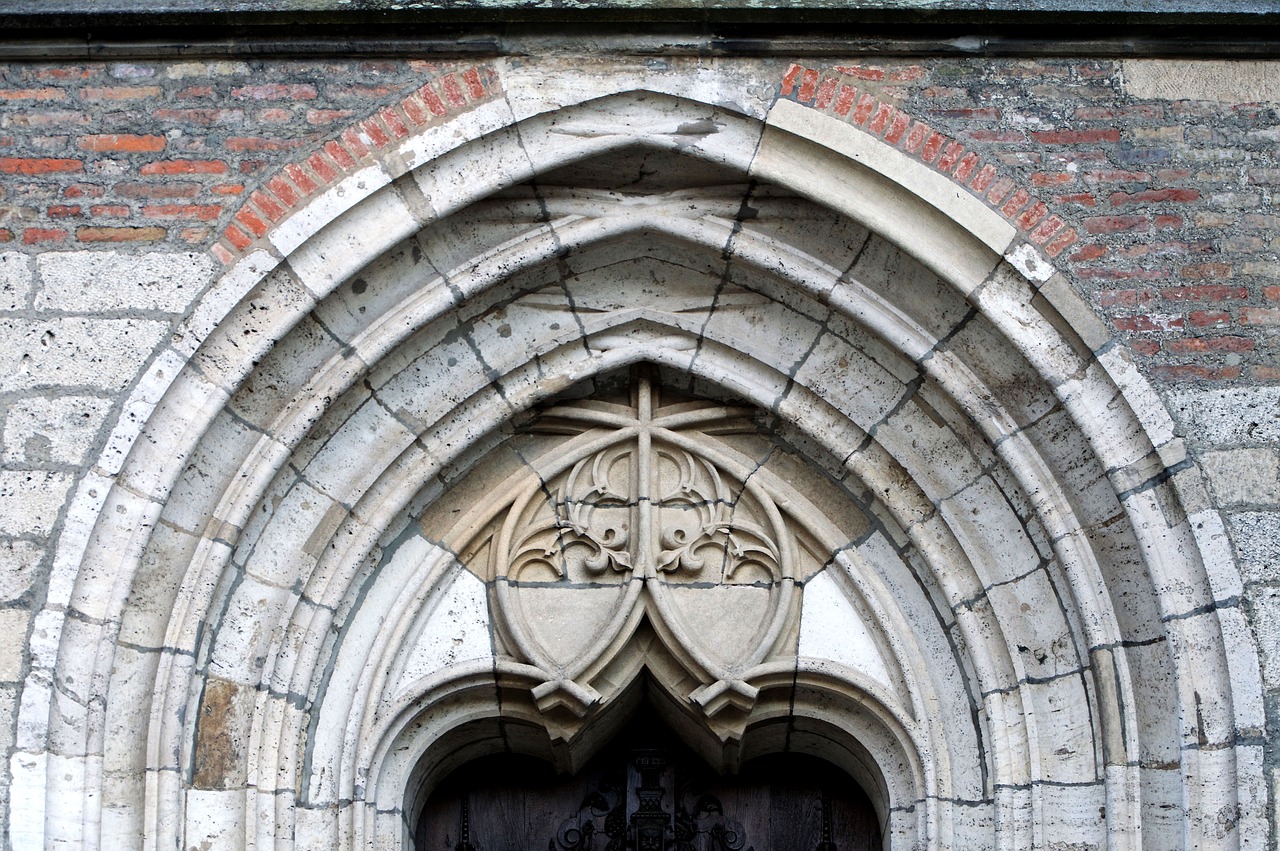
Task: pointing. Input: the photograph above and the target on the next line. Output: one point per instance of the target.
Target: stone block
(30, 500)
(58, 429)
(89, 281)
(1227, 416)
(15, 280)
(1244, 477)
(90, 354)
(21, 565)
(1256, 535)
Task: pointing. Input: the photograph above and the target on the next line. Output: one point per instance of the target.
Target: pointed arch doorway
(647, 791)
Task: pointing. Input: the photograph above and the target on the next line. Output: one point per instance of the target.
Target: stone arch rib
(141, 483)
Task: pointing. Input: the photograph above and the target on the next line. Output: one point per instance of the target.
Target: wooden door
(648, 793)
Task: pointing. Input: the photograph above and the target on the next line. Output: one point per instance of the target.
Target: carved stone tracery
(643, 512)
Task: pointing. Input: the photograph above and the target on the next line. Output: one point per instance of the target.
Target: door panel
(647, 792)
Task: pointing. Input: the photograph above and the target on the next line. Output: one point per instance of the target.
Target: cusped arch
(149, 516)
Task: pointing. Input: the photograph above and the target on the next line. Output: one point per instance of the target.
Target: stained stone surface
(635, 388)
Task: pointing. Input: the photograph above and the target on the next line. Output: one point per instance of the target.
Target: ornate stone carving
(644, 513)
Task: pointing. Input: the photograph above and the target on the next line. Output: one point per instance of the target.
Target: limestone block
(1264, 607)
(214, 820)
(832, 628)
(1257, 541)
(97, 354)
(21, 560)
(456, 631)
(90, 281)
(30, 500)
(1244, 476)
(58, 429)
(15, 280)
(245, 630)
(1232, 81)
(13, 625)
(1223, 417)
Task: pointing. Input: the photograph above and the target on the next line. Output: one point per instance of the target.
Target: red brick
(1116, 177)
(194, 92)
(844, 102)
(268, 205)
(965, 168)
(1124, 298)
(250, 219)
(37, 236)
(351, 139)
(227, 189)
(122, 142)
(376, 134)
(45, 93)
(167, 189)
(275, 115)
(59, 118)
(860, 72)
(1120, 273)
(789, 79)
(1075, 137)
(1154, 196)
(999, 189)
(884, 112)
(83, 190)
(117, 93)
(1194, 372)
(186, 167)
(1168, 222)
(1204, 293)
(120, 234)
(1264, 372)
(474, 87)
(1052, 178)
(110, 211)
(1271, 293)
(969, 113)
(907, 72)
(1046, 229)
(340, 155)
(1208, 318)
(262, 143)
(323, 166)
(863, 110)
(1015, 203)
(1088, 252)
(1260, 316)
(1146, 348)
(826, 92)
(1117, 224)
(283, 190)
(1144, 322)
(202, 212)
(1206, 270)
(1196, 345)
(453, 92)
(224, 256)
(238, 237)
(202, 117)
(982, 180)
(63, 211)
(950, 156)
(6, 235)
(1032, 215)
(432, 100)
(897, 128)
(32, 165)
(416, 110)
(300, 178)
(1064, 240)
(391, 119)
(996, 135)
(275, 91)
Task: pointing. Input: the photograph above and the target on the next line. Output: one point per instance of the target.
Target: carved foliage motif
(644, 513)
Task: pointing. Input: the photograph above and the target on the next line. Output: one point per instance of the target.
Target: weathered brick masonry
(127, 186)
(1163, 208)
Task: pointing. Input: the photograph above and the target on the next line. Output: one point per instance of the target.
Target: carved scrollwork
(642, 511)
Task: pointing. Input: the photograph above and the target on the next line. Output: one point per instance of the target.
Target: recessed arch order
(1007, 620)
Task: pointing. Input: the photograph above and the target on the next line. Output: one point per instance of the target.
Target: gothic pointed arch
(976, 561)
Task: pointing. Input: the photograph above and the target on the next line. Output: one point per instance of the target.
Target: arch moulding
(489, 445)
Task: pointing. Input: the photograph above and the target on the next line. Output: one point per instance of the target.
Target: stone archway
(255, 572)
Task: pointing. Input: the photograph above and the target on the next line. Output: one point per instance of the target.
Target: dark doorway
(648, 792)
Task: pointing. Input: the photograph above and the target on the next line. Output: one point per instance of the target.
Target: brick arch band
(257, 565)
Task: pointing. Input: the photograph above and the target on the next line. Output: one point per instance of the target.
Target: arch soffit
(373, 209)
